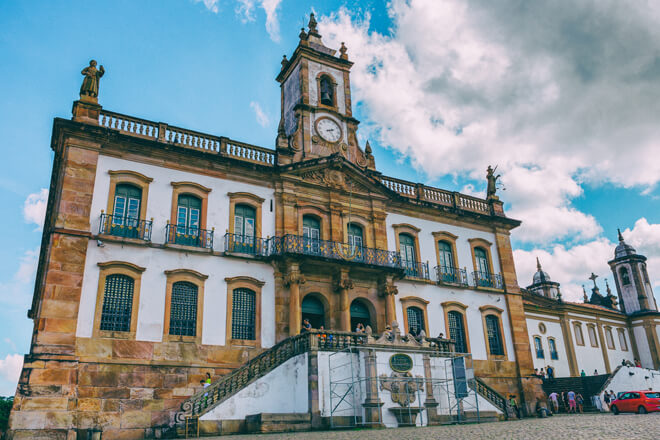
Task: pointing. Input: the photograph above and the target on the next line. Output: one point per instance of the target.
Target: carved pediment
(333, 172)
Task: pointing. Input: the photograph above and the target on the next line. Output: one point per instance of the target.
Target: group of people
(572, 402)
(609, 397)
(548, 373)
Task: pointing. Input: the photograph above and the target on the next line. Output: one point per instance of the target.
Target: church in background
(171, 258)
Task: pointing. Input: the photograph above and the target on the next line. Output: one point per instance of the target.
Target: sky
(563, 97)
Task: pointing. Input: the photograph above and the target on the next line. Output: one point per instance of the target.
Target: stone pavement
(587, 426)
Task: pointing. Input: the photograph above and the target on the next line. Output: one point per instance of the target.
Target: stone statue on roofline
(89, 90)
(492, 182)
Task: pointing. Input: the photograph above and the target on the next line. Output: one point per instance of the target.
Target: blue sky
(442, 90)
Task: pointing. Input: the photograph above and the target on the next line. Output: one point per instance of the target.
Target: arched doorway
(313, 310)
(359, 314)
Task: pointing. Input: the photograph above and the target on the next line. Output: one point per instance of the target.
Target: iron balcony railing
(451, 275)
(416, 270)
(187, 236)
(125, 227)
(295, 244)
(245, 244)
(486, 279)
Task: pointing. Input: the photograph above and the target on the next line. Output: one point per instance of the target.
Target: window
(609, 338)
(188, 219)
(622, 339)
(447, 269)
(327, 90)
(539, 348)
(415, 320)
(579, 338)
(494, 335)
(591, 329)
(359, 314)
(457, 331)
(126, 209)
(243, 314)
(244, 221)
(314, 311)
(183, 309)
(553, 349)
(311, 234)
(355, 235)
(408, 254)
(117, 303)
(127, 205)
(625, 276)
(481, 257)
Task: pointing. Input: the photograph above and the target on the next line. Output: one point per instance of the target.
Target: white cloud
(34, 208)
(260, 115)
(211, 5)
(10, 367)
(245, 9)
(18, 290)
(548, 92)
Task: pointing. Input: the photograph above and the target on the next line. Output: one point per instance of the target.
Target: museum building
(169, 255)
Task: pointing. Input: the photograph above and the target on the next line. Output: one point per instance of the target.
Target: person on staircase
(580, 402)
(554, 398)
(572, 405)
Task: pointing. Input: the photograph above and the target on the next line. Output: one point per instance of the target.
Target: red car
(640, 402)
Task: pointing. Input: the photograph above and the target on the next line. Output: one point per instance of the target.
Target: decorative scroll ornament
(343, 282)
(402, 387)
(294, 277)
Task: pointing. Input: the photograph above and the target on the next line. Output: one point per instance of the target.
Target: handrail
(313, 340)
(129, 125)
(490, 394)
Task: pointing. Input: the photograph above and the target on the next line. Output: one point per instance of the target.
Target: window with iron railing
(415, 317)
(117, 303)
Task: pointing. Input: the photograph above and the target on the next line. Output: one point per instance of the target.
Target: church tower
(631, 279)
(316, 115)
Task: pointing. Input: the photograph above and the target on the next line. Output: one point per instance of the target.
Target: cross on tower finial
(620, 236)
(593, 278)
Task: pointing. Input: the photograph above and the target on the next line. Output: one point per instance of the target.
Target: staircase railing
(490, 394)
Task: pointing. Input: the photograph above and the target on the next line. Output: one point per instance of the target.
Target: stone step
(273, 422)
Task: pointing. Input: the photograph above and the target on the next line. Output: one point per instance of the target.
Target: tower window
(327, 91)
(625, 276)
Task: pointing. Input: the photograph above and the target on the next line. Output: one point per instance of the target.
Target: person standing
(572, 407)
(583, 374)
(606, 399)
(580, 402)
(555, 402)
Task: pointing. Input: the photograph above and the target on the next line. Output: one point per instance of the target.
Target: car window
(624, 396)
(634, 396)
(653, 395)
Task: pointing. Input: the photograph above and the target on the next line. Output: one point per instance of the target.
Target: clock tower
(316, 118)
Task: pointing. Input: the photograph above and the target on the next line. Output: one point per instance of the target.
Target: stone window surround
(132, 178)
(609, 337)
(593, 341)
(244, 198)
(319, 77)
(534, 338)
(322, 298)
(196, 278)
(321, 215)
(254, 285)
(552, 338)
(497, 312)
(366, 229)
(486, 246)
(413, 231)
(413, 301)
(194, 189)
(449, 238)
(577, 329)
(623, 342)
(117, 268)
(454, 306)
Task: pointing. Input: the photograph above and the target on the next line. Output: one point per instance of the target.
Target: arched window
(553, 349)
(415, 320)
(494, 335)
(126, 211)
(183, 309)
(313, 311)
(457, 331)
(327, 91)
(359, 314)
(447, 272)
(481, 259)
(244, 221)
(609, 338)
(625, 276)
(593, 340)
(311, 234)
(622, 339)
(579, 337)
(188, 220)
(243, 314)
(355, 240)
(539, 348)
(117, 303)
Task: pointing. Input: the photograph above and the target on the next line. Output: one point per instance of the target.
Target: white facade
(552, 331)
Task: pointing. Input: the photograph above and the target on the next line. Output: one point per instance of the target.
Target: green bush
(5, 407)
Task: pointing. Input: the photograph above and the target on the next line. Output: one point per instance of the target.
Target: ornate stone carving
(89, 90)
(294, 277)
(386, 287)
(343, 282)
(403, 387)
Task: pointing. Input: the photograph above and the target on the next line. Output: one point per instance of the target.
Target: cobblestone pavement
(588, 426)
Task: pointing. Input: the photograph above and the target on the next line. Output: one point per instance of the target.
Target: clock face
(328, 129)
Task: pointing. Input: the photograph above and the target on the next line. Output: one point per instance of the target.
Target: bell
(326, 98)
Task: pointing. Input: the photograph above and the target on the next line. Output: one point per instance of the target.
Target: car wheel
(615, 410)
(642, 410)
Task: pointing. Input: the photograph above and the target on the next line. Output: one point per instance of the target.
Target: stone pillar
(603, 347)
(387, 290)
(87, 111)
(430, 404)
(372, 404)
(568, 342)
(294, 278)
(313, 384)
(342, 285)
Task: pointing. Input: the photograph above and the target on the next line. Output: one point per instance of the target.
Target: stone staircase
(587, 386)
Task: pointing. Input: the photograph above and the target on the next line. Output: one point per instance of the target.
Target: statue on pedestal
(492, 182)
(89, 90)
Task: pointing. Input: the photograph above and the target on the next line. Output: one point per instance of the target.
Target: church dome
(540, 276)
(623, 249)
